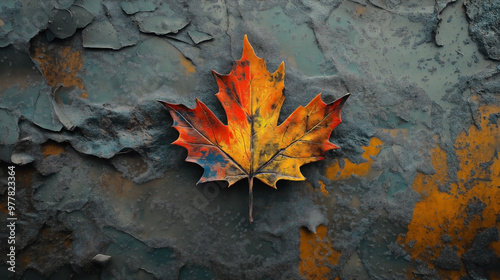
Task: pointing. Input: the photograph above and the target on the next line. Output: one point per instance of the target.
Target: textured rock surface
(484, 26)
(412, 193)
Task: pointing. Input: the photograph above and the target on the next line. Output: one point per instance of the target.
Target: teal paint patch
(131, 8)
(353, 67)
(94, 7)
(196, 273)
(6, 151)
(44, 114)
(9, 132)
(297, 41)
(127, 249)
(9, 4)
(102, 35)
(62, 25)
(394, 183)
(162, 25)
(27, 19)
(152, 67)
(81, 16)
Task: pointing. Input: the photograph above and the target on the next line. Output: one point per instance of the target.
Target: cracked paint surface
(412, 194)
(451, 218)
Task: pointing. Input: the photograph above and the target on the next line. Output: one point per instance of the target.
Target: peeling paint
(60, 65)
(316, 254)
(161, 25)
(138, 6)
(349, 169)
(190, 69)
(52, 149)
(448, 214)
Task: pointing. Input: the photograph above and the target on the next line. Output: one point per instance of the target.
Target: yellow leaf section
(252, 98)
(363, 169)
(316, 253)
(263, 107)
(439, 213)
(60, 66)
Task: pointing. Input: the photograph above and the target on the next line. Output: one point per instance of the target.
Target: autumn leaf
(252, 144)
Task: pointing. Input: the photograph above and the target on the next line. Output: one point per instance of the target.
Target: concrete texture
(413, 193)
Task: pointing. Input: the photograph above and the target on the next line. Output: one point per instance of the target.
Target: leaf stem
(250, 198)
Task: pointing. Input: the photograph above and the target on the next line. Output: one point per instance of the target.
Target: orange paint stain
(396, 132)
(116, 184)
(447, 213)
(188, 66)
(322, 188)
(363, 169)
(360, 10)
(67, 242)
(25, 259)
(52, 149)
(4, 208)
(316, 253)
(60, 65)
(496, 247)
(494, 275)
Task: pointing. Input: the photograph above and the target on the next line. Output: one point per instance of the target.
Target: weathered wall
(414, 191)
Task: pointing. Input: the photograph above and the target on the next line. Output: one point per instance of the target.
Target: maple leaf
(252, 144)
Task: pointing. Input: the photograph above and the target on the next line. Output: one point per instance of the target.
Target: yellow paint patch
(52, 149)
(316, 253)
(2, 23)
(363, 169)
(439, 213)
(188, 66)
(60, 65)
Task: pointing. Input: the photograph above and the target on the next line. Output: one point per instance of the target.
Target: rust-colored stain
(334, 171)
(360, 10)
(56, 242)
(116, 184)
(188, 66)
(4, 208)
(25, 180)
(397, 132)
(25, 260)
(316, 254)
(439, 213)
(60, 65)
(52, 149)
